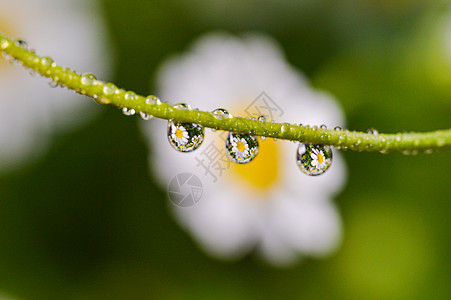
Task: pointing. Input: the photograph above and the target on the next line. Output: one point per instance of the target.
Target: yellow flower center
(240, 146)
(320, 158)
(263, 173)
(179, 133)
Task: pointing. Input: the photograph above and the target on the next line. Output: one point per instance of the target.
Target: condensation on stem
(108, 93)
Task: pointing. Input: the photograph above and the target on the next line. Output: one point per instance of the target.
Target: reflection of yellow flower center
(320, 158)
(263, 173)
(179, 133)
(240, 146)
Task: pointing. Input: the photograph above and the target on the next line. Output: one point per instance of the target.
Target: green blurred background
(87, 221)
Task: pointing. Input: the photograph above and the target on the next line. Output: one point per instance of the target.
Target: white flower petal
(311, 227)
(73, 35)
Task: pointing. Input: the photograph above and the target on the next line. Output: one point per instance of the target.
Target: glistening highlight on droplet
(241, 148)
(313, 160)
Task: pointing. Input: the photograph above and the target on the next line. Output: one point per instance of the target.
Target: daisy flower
(179, 134)
(72, 33)
(240, 147)
(318, 160)
(266, 205)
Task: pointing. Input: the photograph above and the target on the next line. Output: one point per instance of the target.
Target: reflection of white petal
(314, 163)
(73, 35)
(222, 69)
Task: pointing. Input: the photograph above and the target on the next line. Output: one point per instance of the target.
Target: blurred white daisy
(268, 204)
(72, 33)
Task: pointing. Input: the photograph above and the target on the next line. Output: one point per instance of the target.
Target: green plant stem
(108, 93)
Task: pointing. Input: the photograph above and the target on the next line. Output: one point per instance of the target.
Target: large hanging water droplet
(241, 148)
(185, 137)
(313, 160)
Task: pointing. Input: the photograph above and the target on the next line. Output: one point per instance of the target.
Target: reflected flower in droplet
(241, 148)
(185, 137)
(73, 34)
(179, 134)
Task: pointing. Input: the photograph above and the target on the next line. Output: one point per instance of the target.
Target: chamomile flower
(179, 134)
(318, 160)
(240, 147)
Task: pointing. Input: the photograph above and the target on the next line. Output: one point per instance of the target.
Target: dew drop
(241, 148)
(185, 137)
(130, 96)
(221, 113)
(372, 131)
(182, 106)
(313, 160)
(323, 126)
(87, 79)
(145, 116)
(337, 128)
(21, 44)
(46, 61)
(284, 128)
(109, 89)
(128, 111)
(153, 100)
(406, 152)
(441, 142)
(16, 62)
(263, 138)
(4, 44)
(262, 118)
(52, 83)
(314, 128)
